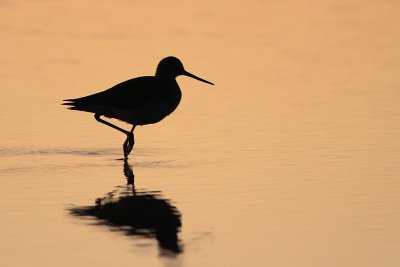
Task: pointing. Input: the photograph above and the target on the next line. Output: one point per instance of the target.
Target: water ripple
(19, 151)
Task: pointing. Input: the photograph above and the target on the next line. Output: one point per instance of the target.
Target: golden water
(292, 159)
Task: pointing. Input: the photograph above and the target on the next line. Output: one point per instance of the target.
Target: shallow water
(292, 159)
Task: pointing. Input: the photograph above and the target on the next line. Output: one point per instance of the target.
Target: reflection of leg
(130, 177)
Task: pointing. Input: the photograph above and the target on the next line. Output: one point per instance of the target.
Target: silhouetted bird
(139, 101)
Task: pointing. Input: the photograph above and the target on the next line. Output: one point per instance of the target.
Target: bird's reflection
(137, 213)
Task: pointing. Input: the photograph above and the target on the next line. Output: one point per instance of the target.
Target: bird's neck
(168, 79)
(162, 74)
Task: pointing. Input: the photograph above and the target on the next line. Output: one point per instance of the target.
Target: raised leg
(130, 139)
(97, 117)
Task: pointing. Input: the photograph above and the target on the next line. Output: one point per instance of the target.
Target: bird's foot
(128, 145)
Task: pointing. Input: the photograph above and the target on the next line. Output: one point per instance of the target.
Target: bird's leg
(97, 117)
(129, 143)
(130, 140)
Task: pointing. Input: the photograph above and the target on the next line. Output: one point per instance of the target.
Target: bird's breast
(157, 108)
(171, 98)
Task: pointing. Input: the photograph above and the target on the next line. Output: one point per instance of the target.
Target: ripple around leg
(19, 160)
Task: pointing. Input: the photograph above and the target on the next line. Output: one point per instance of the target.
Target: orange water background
(291, 159)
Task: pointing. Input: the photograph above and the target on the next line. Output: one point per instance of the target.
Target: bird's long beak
(195, 77)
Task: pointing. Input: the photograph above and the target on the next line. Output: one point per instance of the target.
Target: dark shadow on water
(137, 213)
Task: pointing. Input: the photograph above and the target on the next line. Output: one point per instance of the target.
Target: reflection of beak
(195, 77)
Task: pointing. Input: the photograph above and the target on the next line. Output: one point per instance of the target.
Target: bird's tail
(77, 104)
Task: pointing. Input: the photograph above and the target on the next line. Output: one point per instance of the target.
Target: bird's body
(138, 101)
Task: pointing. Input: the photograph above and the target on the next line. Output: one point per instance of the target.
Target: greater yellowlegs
(139, 101)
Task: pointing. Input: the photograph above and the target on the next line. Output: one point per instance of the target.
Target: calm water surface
(292, 159)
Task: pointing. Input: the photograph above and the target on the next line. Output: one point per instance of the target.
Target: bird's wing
(131, 93)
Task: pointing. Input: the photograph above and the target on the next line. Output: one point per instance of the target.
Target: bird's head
(171, 67)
